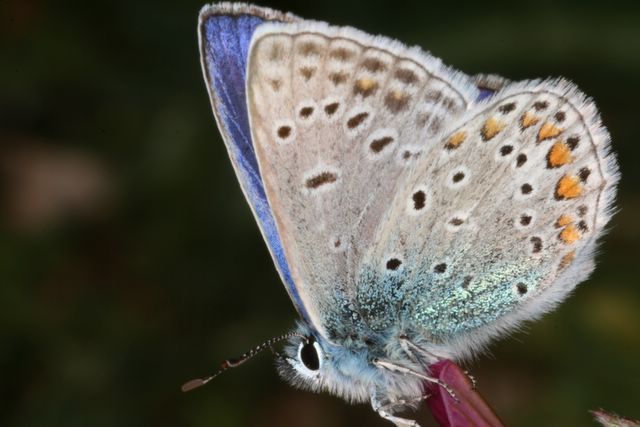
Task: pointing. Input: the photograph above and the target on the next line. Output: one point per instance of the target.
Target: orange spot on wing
(491, 128)
(366, 84)
(569, 234)
(568, 187)
(528, 120)
(455, 140)
(398, 95)
(559, 155)
(564, 220)
(547, 131)
(567, 259)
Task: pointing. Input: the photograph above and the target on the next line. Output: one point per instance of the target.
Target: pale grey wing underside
(499, 222)
(338, 119)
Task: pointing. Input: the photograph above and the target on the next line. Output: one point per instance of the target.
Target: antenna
(232, 363)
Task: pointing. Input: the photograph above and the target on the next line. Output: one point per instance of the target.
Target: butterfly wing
(338, 118)
(499, 223)
(225, 32)
(489, 85)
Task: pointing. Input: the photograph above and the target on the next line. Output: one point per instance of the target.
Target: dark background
(129, 261)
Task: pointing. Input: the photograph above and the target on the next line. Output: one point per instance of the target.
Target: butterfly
(413, 212)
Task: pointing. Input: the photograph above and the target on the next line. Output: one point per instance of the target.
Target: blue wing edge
(224, 33)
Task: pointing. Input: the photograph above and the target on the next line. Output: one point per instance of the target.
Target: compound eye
(309, 355)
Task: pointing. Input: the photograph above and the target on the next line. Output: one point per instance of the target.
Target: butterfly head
(346, 369)
(313, 363)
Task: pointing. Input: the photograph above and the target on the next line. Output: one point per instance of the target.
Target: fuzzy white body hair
(349, 373)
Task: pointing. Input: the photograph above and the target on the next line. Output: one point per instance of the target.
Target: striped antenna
(232, 363)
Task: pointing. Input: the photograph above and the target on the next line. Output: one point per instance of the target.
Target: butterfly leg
(385, 411)
(393, 367)
(415, 357)
(474, 383)
(400, 403)
(412, 348)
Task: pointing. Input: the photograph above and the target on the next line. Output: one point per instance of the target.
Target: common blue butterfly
(413, 212)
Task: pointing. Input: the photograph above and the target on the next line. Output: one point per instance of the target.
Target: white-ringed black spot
(357, 120)
(320, 180)
(419, 200)
(583, 174)
(521, 160)
(522, 289)
(525, 220)
(330, 109)
(377, 145)
(573, 142)
(526, 188)
(505, 150)
(560, 116)
(284, 132)
(456, 221)
(458, 177)
(393, 264)
(306, 112)
(440, 268)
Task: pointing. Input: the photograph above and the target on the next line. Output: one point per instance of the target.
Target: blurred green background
(129, 261)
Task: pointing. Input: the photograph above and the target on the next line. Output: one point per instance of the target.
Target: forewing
(225, 32)
(500, 222)
(338, 118)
